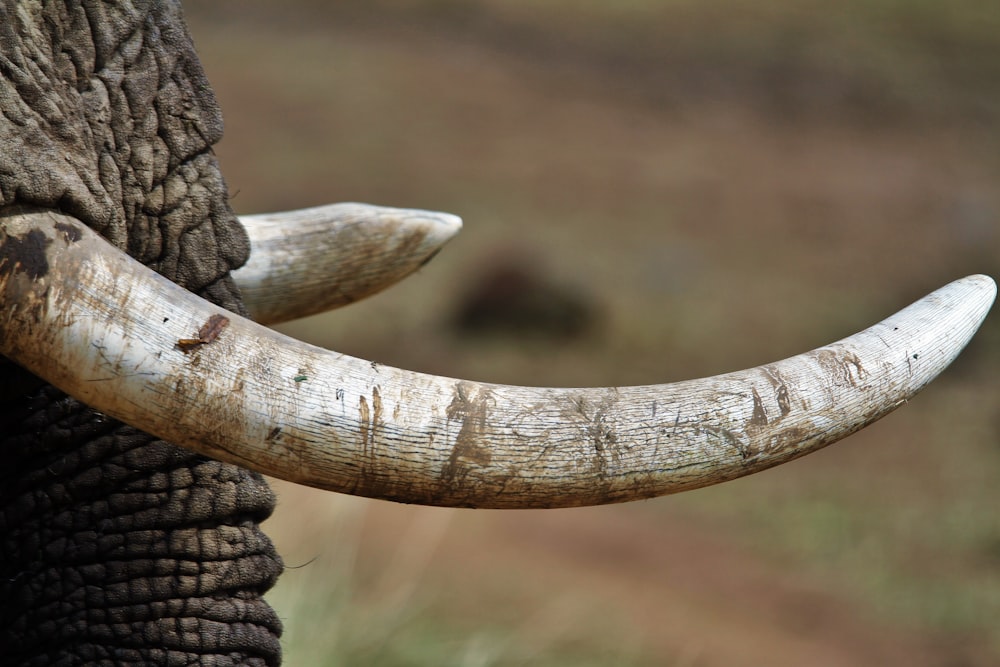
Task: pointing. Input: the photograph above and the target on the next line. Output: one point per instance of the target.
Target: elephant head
(122, 296)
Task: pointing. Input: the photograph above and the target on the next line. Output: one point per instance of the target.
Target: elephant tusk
(316, 259)
(133, 345)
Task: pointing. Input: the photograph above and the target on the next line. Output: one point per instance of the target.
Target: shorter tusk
(129, 343)
(316, 259)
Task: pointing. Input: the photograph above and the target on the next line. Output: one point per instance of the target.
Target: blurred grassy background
(723, 183)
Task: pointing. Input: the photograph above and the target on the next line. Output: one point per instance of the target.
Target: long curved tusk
(316, 259)
(129, 343)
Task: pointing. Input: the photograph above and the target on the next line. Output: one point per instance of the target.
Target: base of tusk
(131, 344)
(312, 260)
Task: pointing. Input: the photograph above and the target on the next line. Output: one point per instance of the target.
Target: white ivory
(312, 260)
(126, 342)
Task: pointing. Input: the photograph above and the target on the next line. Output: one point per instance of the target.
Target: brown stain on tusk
(370, 418)
(759, 417)
(600, 433)
(469, 407)
(71, 233)
(25, 255)
(780, 389)
(843, 366)
(206, 334)
(364, 422)
(370, 421)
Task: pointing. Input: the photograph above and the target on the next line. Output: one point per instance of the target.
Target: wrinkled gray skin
(118, 547)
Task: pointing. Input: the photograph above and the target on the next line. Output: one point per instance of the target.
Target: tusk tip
(974, 294)
(439, 227)
(985, 284)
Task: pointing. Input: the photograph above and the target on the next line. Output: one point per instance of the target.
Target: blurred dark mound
(516, 298)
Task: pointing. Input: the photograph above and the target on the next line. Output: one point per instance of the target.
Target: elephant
(141, 401)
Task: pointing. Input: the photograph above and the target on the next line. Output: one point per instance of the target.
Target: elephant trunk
(117, 547)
